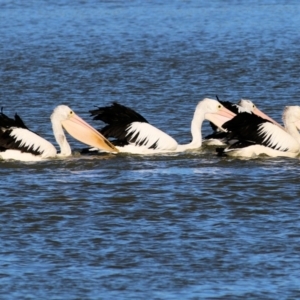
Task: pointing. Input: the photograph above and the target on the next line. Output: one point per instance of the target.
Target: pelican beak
(264, 116)
(220, 117)
(85, 133)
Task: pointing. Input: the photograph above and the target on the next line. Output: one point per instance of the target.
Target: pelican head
(249, 106)
(214, 112)
(291, 115)
(64, 116)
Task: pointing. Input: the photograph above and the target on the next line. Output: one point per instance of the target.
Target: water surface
(190, 225)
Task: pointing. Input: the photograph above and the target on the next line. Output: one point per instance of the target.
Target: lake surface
(177, 226)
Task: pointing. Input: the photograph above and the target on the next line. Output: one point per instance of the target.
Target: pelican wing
(250, 129)
(145, 135)
(117, 117)
(25, 141)
(15, 135)
(128, 127)
(7, 122)
(117, 113)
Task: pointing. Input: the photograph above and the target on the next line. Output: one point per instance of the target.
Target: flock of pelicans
(238, 130)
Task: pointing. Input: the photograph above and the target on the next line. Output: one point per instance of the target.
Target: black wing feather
(219, 135)
(246, 128)
(19, 122)
(118, 118)
(7, 122)
(117, 113)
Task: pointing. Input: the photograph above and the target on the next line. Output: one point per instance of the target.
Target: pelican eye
(71, 112)
(219, 106)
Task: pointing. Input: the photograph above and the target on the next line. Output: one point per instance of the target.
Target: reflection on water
(191, 225)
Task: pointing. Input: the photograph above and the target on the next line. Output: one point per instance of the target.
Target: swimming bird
(244, 105)
(255, 136)
(133, 133)
(20, 143)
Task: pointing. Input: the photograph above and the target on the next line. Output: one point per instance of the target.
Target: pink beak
(85, 133)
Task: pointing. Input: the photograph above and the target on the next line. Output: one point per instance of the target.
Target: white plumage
(29, 139)
(148, 135)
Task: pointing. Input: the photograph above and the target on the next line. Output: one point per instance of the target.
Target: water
(178, 226)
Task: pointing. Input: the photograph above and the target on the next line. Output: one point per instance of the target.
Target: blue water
(177, 226)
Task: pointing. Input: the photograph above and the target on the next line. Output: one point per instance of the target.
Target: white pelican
(133, 134)
(19, 143)
(244, 105)
(257, 136)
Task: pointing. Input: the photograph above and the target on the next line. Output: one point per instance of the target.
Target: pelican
(133, 134)
(244, 105)
(256, 135)
(19, 143)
